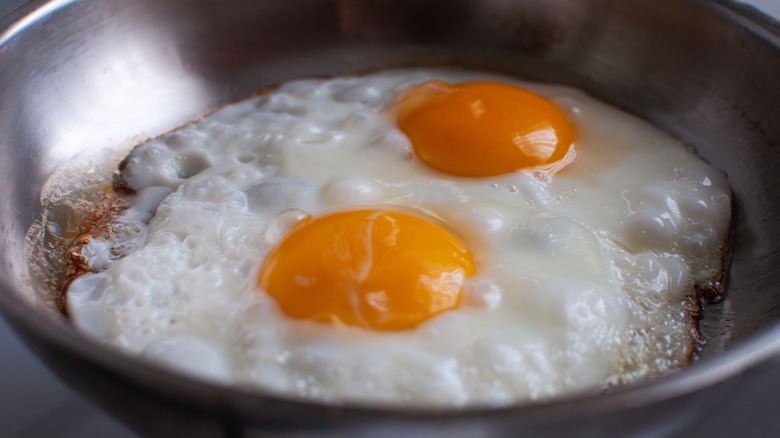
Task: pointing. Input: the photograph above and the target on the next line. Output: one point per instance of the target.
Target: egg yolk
(483, 128)
(377, 269)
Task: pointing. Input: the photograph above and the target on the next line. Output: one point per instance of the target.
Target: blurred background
(34, 403)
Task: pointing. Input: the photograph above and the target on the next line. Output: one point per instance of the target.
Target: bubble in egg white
(395, 141)
(344, 191)
(282, 223)
(366, 94)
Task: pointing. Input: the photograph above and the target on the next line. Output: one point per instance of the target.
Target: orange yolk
(378, 269)
(483, 128)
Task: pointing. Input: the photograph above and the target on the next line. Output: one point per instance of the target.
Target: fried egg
(435, 237)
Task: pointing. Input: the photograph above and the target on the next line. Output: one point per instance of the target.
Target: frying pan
(77, 76)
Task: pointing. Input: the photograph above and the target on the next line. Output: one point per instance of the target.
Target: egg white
(585, 278)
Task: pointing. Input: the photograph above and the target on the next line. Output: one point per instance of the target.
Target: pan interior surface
(79, 76)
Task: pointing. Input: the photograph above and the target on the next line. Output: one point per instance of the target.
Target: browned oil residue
(97, 225)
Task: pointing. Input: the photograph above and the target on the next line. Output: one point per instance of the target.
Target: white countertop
(771, 7)
(34, 403)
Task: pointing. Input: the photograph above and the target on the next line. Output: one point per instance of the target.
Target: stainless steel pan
(79, 75)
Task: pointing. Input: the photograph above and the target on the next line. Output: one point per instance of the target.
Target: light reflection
(109, 89)
(31, 19)
(539, 144)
